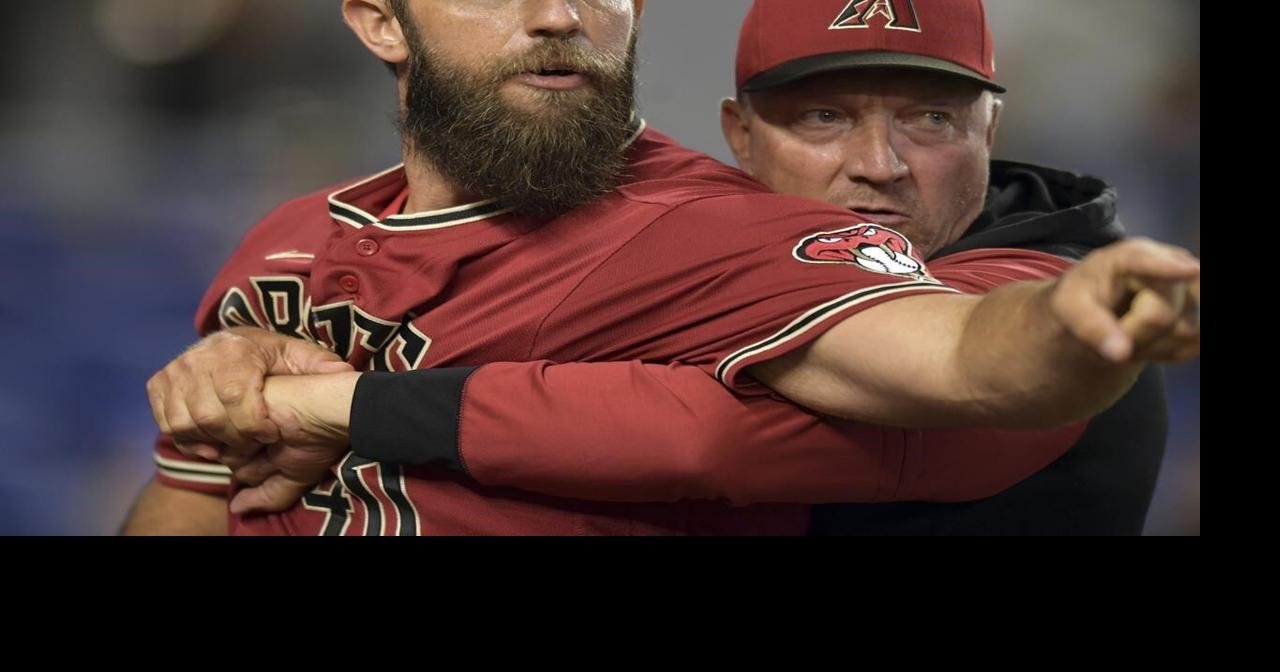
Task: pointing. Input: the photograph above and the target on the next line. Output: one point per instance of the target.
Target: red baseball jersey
(688, 261)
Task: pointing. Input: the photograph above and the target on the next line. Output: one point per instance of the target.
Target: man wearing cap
(685, 264)
(888, 110)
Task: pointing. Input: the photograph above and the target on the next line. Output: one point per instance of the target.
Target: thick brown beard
(542, 163)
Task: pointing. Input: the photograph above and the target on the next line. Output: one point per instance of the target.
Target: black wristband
(409, 418)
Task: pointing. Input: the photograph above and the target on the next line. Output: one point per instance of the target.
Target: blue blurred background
(141, 138)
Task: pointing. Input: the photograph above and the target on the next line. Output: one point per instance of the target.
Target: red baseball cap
(786, 40)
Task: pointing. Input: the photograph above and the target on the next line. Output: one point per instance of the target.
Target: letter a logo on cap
(898, 15)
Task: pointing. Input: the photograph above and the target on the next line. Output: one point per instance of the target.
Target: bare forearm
(1023, 368)
(320, 403)
(1002, 361)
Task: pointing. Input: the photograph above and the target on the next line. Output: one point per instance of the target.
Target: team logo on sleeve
(871, 246)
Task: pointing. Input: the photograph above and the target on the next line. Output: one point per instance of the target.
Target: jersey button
(367, 247)
(349, 284)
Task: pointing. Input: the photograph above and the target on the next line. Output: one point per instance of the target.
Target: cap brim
(800, 68)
